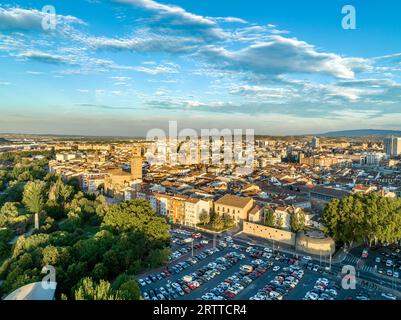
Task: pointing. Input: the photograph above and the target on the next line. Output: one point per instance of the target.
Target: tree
(217, 222)
(33, 198)
(5, 237)
(8, 212)
(363, 218)
(278, 221)
(59, 195)
(87, 289)
(228, 221)
(297, 221)
(129, 290)
(204, 217)
(100, 271)
(137, 216)
(158, 256)
(269, 218)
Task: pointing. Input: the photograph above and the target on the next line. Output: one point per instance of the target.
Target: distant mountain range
(361, 133)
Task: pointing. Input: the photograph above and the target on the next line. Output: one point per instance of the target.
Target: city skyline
(123, 67)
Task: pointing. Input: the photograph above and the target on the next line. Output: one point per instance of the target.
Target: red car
(230, 294)
(196, 235)
(295, 276)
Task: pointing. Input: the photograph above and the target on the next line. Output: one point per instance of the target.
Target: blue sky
(123, 67)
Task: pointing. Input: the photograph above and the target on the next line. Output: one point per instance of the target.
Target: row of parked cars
(237, 282)
(281, 285)
(323, 290)
(194, 280)
(179, 267)
(393, 267)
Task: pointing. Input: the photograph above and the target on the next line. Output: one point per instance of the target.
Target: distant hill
(362, 133)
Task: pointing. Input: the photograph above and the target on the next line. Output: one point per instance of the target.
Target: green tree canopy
(364, 218)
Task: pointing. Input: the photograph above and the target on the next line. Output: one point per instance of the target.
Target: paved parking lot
(213, 273)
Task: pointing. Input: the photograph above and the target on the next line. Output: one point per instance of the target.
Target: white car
(389, 296)
(268, 250)
(389, 263)
(396, 274)
(276, 268)
(307, 258)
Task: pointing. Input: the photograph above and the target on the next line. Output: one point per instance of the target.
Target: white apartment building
(392, 146)
(91, 181)
(372, 159)
(193, 209)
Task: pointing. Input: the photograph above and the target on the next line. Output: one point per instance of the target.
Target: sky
(124, 67)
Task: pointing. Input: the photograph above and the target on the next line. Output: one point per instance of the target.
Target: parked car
(388, 296)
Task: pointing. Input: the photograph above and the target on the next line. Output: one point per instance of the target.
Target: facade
(136, 164)
(325, 161)
(91, 181)
(315, 143)
(372, 159)
(392, 147)
(179, 209)
(237, 207)
(286, 214)
(115, 182)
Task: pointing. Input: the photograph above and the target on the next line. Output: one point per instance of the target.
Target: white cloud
(174, 16)
(229, 19)
(44, 57)
(161, 69)
(24, 19)
(283, 55)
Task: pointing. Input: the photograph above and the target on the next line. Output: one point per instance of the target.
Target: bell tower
(136, 163)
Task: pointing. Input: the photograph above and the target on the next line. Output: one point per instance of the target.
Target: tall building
(136, 163)
(315, 143)
(392, 146)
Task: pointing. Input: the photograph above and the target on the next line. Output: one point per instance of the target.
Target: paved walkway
(26, 234)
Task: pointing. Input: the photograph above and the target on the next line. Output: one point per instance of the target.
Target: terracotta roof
(254, 210)
(233, 201)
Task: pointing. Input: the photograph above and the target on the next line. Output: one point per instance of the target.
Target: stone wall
(315, 246)
(268, 233)
(309, 244)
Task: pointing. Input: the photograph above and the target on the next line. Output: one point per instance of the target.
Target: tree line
(370, 219)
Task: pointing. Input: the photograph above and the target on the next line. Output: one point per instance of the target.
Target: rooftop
(32, 291)
(234, 201)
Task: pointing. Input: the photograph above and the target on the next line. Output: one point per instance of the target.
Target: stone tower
(136, 164)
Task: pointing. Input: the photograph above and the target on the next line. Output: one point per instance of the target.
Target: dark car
(152, 293)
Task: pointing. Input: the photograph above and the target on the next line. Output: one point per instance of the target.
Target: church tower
(136, 163)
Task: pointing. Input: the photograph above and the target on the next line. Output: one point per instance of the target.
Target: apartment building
(392, 146)
(91, 181)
